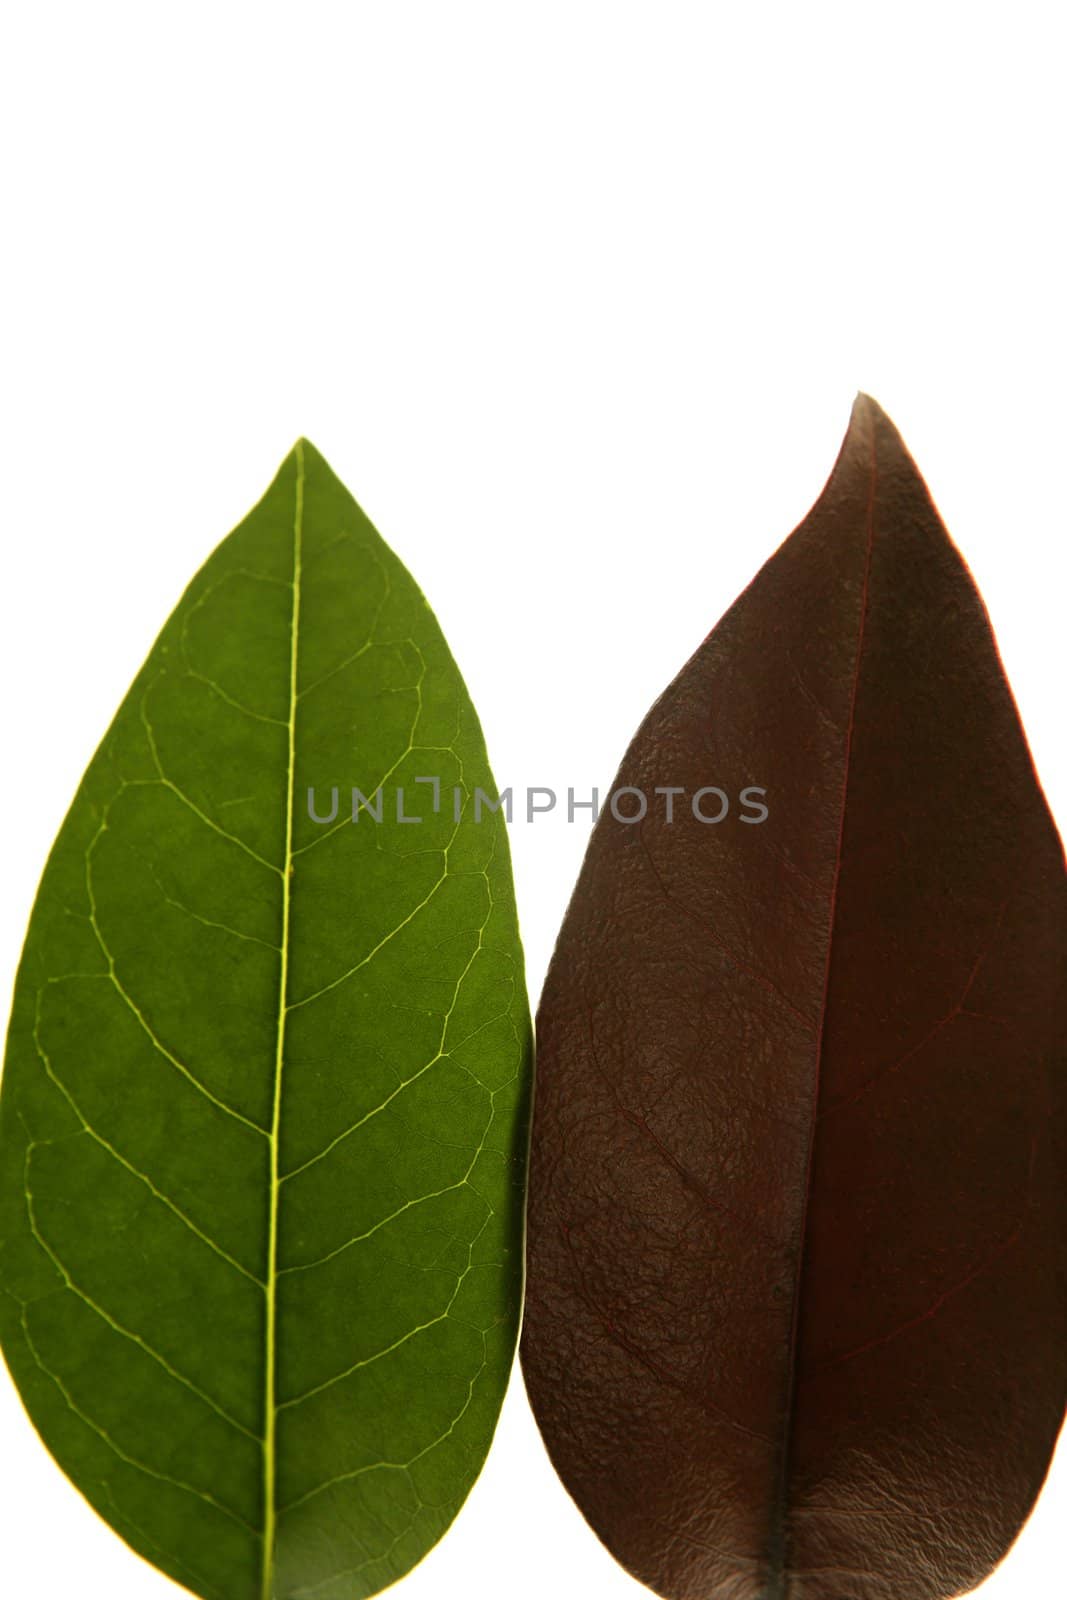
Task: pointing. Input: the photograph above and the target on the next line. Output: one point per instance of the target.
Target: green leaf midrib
(270, 1410)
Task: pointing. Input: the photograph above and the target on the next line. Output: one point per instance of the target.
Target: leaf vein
(422, 1327)
(123, 1161)
(203, 1495)
(106, 1317)
(115, 980)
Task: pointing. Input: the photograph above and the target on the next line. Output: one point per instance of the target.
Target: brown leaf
(796, 1322)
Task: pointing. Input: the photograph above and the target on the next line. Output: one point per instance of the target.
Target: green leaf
(263, 1120)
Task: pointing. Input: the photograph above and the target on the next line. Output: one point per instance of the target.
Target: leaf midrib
(270, 1377)
(778, 1576)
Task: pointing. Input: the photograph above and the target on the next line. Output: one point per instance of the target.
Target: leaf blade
(166, 931)
(701, 1263)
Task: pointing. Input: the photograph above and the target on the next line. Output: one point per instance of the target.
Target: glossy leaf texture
(264, 1103)
(796, 1322)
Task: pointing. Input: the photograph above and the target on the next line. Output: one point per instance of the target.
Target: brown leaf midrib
(778, 1582)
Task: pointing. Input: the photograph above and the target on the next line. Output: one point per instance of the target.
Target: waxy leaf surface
(263, 1109)
(796, 1322)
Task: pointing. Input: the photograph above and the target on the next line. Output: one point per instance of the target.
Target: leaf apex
(869, 418)
(873, 437)
(866, 415)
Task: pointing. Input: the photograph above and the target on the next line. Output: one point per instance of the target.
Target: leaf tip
(873, 441)
(866, 415)
(871, 423)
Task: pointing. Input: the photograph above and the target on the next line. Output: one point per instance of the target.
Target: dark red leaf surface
(796, 1323)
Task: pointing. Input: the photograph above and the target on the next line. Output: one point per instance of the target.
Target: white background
(575, 297)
